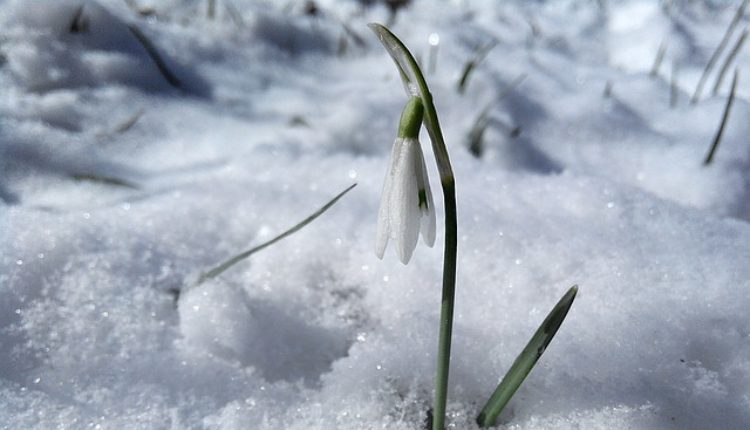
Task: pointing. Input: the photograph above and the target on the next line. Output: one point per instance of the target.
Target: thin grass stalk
(155, 57)
(668, 7)
(480, 124)
(512, 131)
(658, 59)
(234, 13)
(728, 61)
(472, 64)
(102, 179)
(343, 46)
(211, 9)
(673, 89)
(477, 130)
(358, 40)
(476, 134)
(130, 122)
(718, 51)
(78, 23)
(510, 87)
(724, 118)
(349, 33)
(415, 85)
(536, 30)
(221, 268)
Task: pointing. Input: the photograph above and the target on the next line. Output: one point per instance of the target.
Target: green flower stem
(446, 307)
(416, 86)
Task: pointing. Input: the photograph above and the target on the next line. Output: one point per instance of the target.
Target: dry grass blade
(130, 122)
(659, 59)
(78, 24)
(234, 14)
(472, 64)
(476, 134)
(358, 40)
(344, 39)
(144, 11)
(221, 268)
(104, 180)
(728, 61)
(724, 118)
(510, 87)
(211, 9)
(123, 126)
(718, 51)
(673, 88)
(156, 57)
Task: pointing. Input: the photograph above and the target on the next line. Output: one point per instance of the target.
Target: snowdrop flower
(406, 206)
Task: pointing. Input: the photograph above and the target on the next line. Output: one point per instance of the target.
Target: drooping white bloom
(406, 205)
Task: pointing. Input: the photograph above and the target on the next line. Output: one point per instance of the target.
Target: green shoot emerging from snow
(406, 193)
(526, 360)
(416, 86)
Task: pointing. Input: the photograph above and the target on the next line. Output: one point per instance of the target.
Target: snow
(118, 187)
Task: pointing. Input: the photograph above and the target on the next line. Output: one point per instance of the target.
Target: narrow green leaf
(718, 51)
(659, 58)
(398, 53)
(724, 118)
(130, 122)
(472, 64)
(152, 52)
(211, 9)
(218, 270)
(476, 134)
(416, 86)
(526, 360)
(102, 179)
(728, 61)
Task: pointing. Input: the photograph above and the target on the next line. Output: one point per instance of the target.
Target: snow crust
(118, 187)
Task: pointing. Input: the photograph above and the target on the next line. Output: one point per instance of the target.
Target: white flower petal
(428, 228)
(404, 207)
(400, 216)
(427, 214)
(384, 227)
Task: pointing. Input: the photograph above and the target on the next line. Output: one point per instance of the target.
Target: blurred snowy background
(142, 142)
